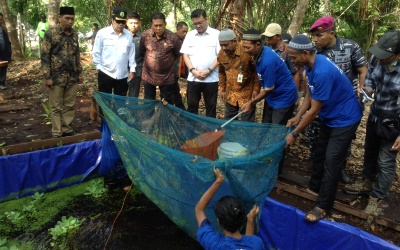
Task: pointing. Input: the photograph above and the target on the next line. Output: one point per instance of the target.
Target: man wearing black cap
(382, 140)
(43, 25)
(62, 70)
(113, 50)
(331, 96)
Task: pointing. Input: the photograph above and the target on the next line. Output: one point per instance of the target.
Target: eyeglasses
(120, 21)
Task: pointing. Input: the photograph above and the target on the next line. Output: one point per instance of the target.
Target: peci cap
(387, 45)
(272, 30)
(301, 42)
(251, 35)
(119, 14)
(323, 24)
(65, 10)
(226, 35)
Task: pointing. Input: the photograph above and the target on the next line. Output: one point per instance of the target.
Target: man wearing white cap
(238, 80)
(382, 140)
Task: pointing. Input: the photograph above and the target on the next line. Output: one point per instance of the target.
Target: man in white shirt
(200, 49)
(113, 50)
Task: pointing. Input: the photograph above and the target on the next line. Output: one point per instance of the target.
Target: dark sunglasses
(120, 21)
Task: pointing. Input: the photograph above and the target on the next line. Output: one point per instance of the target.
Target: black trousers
(330, 154)
(176, 95)
(134, 86)
(110, 85)
(165, 92)
(210, 94)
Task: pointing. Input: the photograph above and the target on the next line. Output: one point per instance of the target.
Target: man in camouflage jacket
(62, 71)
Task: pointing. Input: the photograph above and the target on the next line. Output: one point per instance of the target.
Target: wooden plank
(48, 143)
(5, 109)
(295, 178)
(338, 205)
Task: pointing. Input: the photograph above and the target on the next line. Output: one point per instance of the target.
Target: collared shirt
(282, 53)
(138, 56)
(348, 56)
(112, 52)
(159, 57)
(61, 57)
(386, 84)
(229, 68)
(202, 51)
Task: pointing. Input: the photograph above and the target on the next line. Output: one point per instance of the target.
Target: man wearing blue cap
(62, 70)
(348, 56)
(382, 140)
(332, 97)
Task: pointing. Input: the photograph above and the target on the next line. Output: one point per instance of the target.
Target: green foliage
(62, 230)
(47, 113)
(14, 217)
(4, 245)
(37, 196)
(96, 189)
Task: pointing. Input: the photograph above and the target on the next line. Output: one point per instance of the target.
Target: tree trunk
(54, 12)
(298, 16)
(12, 30)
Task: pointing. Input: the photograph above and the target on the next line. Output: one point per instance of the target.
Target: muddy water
(141, 227)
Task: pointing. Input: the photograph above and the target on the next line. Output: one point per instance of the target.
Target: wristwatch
(295, 135)
(210, 70)
(191, 70)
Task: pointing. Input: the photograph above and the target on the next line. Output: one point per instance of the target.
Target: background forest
(360, 20)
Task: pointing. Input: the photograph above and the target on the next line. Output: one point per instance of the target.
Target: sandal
(315, 214)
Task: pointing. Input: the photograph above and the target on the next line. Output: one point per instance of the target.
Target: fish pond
(86, 216)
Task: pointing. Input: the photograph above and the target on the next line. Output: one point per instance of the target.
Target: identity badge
(240, 78)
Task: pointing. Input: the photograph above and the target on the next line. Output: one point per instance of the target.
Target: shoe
(375, 206)
(363, 187)
(344, 177)
(69, 133)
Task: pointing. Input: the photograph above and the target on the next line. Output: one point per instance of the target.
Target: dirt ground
(23, 119)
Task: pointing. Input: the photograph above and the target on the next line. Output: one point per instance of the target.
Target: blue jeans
(330, 154)
(379, 161)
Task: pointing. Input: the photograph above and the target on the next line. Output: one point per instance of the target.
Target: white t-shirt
(202, 51)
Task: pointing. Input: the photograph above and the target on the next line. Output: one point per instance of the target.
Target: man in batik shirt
(62, 70)
(160, 48)
(238, 80)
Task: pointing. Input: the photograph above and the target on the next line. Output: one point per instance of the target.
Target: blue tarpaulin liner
(284, 227)
(45, 170)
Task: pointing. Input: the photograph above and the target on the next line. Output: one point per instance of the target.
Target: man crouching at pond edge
(62, 70)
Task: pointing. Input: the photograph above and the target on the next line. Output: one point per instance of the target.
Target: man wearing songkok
(332, 97)
(62, 70)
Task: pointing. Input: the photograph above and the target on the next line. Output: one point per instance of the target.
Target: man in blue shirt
(331, 96)
(382, 140)
(277, 85)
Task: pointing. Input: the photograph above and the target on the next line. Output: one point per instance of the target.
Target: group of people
(332, 71)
